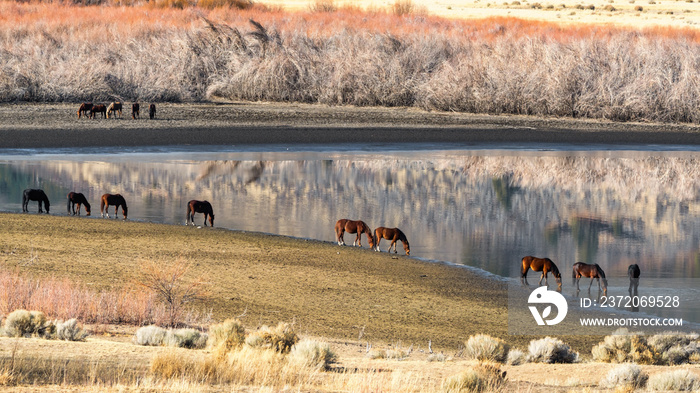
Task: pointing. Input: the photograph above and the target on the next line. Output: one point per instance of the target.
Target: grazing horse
(114, 107)
(633, 272)
(152, 111)
(359, 227)
(99, 108)
(135, 110)
(35, 195)
(115, 200)
(393, 234)
(204, 207)
(544, 265)
(593, 271)
(76, 198)
(85, 107)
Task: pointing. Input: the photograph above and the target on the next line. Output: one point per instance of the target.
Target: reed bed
(52, 52)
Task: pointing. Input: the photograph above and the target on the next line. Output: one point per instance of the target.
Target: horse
(135, 110)
(85, 107)
(195, 206)
(76, 198)
(152, 111)
(34, 194)
(544, 265)
(98, 108)
(593, 271)
(359, 227)
(633, 273)
(393, 234)
(115, 200)
(114, 107)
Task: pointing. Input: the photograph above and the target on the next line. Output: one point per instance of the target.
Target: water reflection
(486, 210)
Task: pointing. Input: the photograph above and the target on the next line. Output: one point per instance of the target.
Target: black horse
(195, 206)
(76, 198)
(35, 195)
(633, 273)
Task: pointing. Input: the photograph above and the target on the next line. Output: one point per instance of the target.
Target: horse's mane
(402, 236)
(555, 269)
(600, 271)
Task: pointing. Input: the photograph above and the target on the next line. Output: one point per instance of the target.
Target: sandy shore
(57, 126)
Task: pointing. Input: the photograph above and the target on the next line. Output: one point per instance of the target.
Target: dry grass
(349, 56)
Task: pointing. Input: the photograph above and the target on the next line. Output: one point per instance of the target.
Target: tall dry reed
(497, 65)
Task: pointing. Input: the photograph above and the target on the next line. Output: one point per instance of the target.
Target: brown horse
(393, 234)
(115, 107)
(115, 200)
(359, 227)
(135, 110)
(85, 107)
(633, 273)
(99, 108)
(76, 198)
(544, 265)
(152, 111)
(204, 207)
(593, 271)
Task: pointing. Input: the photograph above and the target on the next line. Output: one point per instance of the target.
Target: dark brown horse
(359, 227)
(99, 108)
(393, 234)
(204, 207)
(633, 273)
(76, 198)
(544, 265)
(135, 110)
(85, 107)
(594, 272)
(115, 200)
(116, 108)
(152, 111)
(34, 194)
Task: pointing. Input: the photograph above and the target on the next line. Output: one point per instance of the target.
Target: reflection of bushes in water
(585, 232)
(504, 190)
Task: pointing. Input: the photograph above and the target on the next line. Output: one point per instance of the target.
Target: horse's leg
(541, 277)
(205, 219)
(358, 239)
(376, 245)
(591, 284)
(393, 243)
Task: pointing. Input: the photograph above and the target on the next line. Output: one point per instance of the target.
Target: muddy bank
(57, 126)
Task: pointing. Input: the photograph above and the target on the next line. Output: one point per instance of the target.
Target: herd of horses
(579, 270)
(77, 200)
(90, 110)
(359, 227)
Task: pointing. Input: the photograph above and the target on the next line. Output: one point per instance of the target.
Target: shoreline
(29, 126)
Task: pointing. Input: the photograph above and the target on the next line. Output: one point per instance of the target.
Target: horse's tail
(573, 274)
(69, 204)
(187, 215)
(102, 204)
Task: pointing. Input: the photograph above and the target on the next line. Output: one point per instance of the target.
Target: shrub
(226, 335)
(376, 354)
(281, 338)
(666, 348)
(475, 379)
(626, 375)
(70, 331)
(551, 350)
(23, 323)
(185, 338)
(486, 348)
(516, 357)
(437, 357)
(169, 364)
(312, 354)
(402, 7)
(677, 380)
(150, 335)
(323, 6)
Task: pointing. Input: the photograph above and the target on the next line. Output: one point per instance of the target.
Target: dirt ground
(57, 126)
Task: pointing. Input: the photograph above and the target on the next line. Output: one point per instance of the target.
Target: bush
(486, 348)
(281, 338)
(226, 335)
(626, 375)
(666, 348)
(551, 350)
(185, 338)
(312, 354)
(475, 379)
(23, 323)
(516, 357)
(150, 335)
(677, 380)
(69, 331)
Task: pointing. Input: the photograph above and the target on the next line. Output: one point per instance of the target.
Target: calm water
(484, 208)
